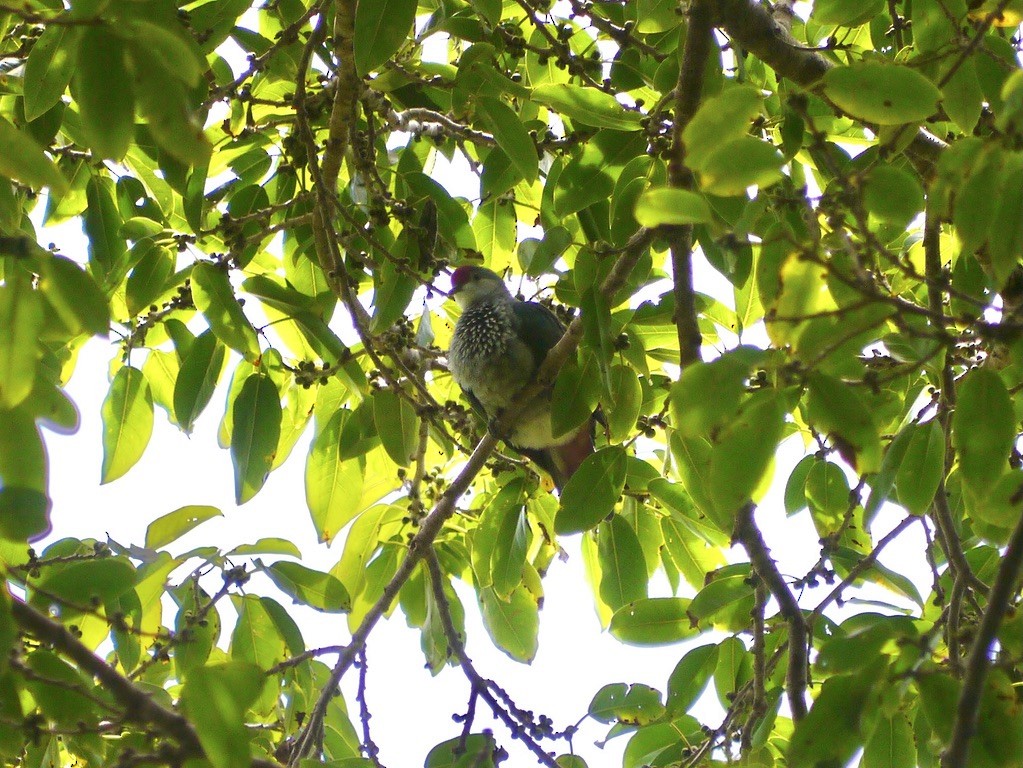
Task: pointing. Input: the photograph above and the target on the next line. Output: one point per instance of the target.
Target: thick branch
(752, 26)
(747, 534)
(138, 705)
(699, 38)
(977, 663)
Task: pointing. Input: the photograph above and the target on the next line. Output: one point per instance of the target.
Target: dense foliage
(266, 194)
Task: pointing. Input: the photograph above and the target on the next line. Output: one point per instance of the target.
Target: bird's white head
(472, 283)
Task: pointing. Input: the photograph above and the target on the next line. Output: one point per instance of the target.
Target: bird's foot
(495, 428)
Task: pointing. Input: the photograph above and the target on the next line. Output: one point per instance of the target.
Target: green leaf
(216, 699)
(165, 104)
(590, 176)
(740, 163)
(474, 750)
(255, 638)
(719, 119)
(313, 588)
(363, 539)
(380, 29)
(57, 688)
(635, 704)
(827, 492)
(254, 437)
(148, 278)
(127, 414)
(669, 206)
(835, 408)
(693, 557)
(333, 485)
(886, 94)
(80, 583)
(74, 295)
(197, 378)
(845, 13)
(893, 194)
(21, 320)
(512, 623)
(103, 91)
(214, 297)
(690, 677)
(653, 621)
(511, 136)
(588, 106)
(24, 506)
(48, 68)
(738, 465)
(983, 428)
(172, 526)
(270, 545)
(623, 576)
(836, 711)
(592, 492)
(922, 467)
(397, 424)
(727, 592)
(512, 541)
(574, 399)
(963, 98)
(625, 403)
(107, 250)
(692, 412)
(891, 745)
(178, 56)
(23, 159)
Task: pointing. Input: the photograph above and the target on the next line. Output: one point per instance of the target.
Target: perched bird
(498, 345)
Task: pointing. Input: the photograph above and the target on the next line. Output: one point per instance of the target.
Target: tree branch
(479, 684)
(968, 707)
(138, 705)
(747, 534)
(688, 91)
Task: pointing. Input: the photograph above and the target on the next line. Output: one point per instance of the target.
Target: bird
(498, 346)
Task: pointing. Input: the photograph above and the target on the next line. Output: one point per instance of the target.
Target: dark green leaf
(511, 136)
(380, 29)
(592, 492)
(200, 371)
(103, 92)
(922, 467)
(398, 426)
(21, 320)
(255, 434)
